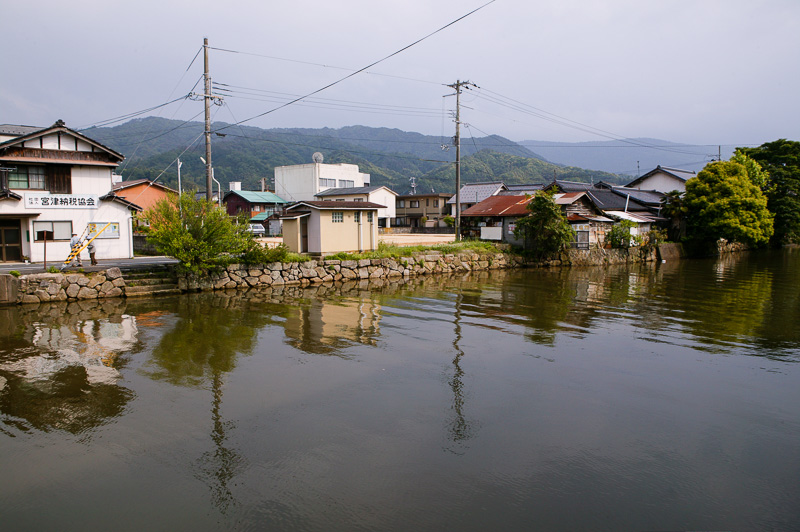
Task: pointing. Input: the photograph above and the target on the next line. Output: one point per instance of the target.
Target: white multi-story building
(302, 182)
(54, 182)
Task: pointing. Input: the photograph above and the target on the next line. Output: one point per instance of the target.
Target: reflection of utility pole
(457, 141)
(459, 429)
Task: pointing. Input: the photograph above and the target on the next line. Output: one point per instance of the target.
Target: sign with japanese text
(111, 230)
(61, 201)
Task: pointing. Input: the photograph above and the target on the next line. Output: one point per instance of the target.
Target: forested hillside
(392, 157)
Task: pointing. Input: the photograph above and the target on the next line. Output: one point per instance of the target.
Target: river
(655, 397)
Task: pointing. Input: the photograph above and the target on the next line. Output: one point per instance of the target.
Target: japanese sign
(112, 231)
(61, 201)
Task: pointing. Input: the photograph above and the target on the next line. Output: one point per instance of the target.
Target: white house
(663, 179)
(302, 182)
(378, 194)
(55, 181)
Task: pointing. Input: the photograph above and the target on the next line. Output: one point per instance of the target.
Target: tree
(197, 232)
(545, 230)
(673, 208)
(722, 202)
(781, 159)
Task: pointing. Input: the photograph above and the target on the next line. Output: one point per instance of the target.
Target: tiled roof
(516, 190)
(337, 205)
(11, 129)
(127, 184)
(500, 206)
(682, 175)
(477, 192)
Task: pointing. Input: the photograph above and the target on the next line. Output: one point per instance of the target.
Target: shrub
(15, 273)
(620, 235)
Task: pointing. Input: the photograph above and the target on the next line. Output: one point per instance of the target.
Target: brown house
(142, 192)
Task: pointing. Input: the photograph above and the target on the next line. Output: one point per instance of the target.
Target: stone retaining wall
(110, 283)
(40, 287)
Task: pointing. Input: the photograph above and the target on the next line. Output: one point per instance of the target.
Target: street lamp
(219, 187)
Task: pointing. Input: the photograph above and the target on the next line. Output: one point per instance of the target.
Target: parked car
(257, 229)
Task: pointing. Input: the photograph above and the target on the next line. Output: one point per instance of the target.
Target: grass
(387, 251)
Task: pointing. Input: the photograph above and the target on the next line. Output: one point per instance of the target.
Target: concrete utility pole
(207, 102)
(457, 141)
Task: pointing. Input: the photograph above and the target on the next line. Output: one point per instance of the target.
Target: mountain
(390, 156)
(623, 156)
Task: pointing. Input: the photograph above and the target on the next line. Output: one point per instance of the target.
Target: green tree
(781, 159)
(722, 202)
(545, 230)
(620, 235)
(197, 232)
(673, 208)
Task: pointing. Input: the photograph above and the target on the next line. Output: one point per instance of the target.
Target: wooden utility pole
(457, 141)
(207, 103)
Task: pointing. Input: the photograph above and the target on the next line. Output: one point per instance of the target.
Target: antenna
(413, 185)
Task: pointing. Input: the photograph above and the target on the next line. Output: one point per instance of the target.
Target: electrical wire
(348, 76)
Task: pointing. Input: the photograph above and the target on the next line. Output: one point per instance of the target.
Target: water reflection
(60, 365)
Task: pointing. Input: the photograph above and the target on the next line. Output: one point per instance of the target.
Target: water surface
(663, 397)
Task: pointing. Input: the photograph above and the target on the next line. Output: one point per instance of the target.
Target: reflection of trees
(211, 331)
(59, 364)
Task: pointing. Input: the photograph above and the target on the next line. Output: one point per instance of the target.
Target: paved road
(134, 263)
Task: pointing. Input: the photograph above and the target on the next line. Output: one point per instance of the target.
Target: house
(496, 217)
(302, 182)
(411, 208)
(143, 192)
(585, 217)
(663, 179)
(252, 203)
(329, 227)
(377, 194)
(55, 181)
(475, 193)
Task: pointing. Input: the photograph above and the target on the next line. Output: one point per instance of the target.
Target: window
(55, 230)
(346, 183)
(331, 183)
(357, 216)
(401, 203)
(358, 199)
(369, 216)
(436, 203)
(339, 199)
(337, 217)
(26, 177)
(427, 202)
(414, 204)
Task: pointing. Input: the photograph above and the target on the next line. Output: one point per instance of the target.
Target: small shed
(329, 227)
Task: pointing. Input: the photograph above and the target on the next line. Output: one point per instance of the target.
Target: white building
(663, 179)
(54, 182)
(302, 182)
(380, 195)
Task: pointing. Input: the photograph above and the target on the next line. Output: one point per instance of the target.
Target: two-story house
(302, 182)
(412, 208)
(54, 182)
(380, 195)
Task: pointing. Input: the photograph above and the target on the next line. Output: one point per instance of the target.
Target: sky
(705, 72)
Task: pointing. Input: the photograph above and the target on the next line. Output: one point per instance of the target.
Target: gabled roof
(58, 127)
(477, 192)
(336, 205)
(677, 173)
(567, 186)
(352, 191)
(423, 195)
(647, 197)
(254, 196)
(118, 199)
(500, 206)
(516, 190)
(17, 131)
(122, 185)
(610, 200)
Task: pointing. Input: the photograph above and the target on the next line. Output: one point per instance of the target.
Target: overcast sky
(696, 71)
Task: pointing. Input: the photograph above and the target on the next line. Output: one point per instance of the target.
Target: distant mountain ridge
(248, 154)
(634, 156)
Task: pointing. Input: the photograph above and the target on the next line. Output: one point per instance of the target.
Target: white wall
(301, 182)
(662, 183)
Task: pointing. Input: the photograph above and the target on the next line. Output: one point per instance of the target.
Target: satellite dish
(317, 157)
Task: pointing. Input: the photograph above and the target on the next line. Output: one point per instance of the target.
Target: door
(10, 241)
(304, 234)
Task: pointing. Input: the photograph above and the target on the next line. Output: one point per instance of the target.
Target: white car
(257, 229)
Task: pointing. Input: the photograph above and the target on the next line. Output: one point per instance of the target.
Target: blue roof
(254, 196)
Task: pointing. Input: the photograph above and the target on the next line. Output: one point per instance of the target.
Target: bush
(620, 235)
(15, 273)
(197, 232)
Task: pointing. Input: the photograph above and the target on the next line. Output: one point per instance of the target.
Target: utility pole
(457, 141)
(207, 103)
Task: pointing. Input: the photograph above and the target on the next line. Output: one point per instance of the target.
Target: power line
(348, 76)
